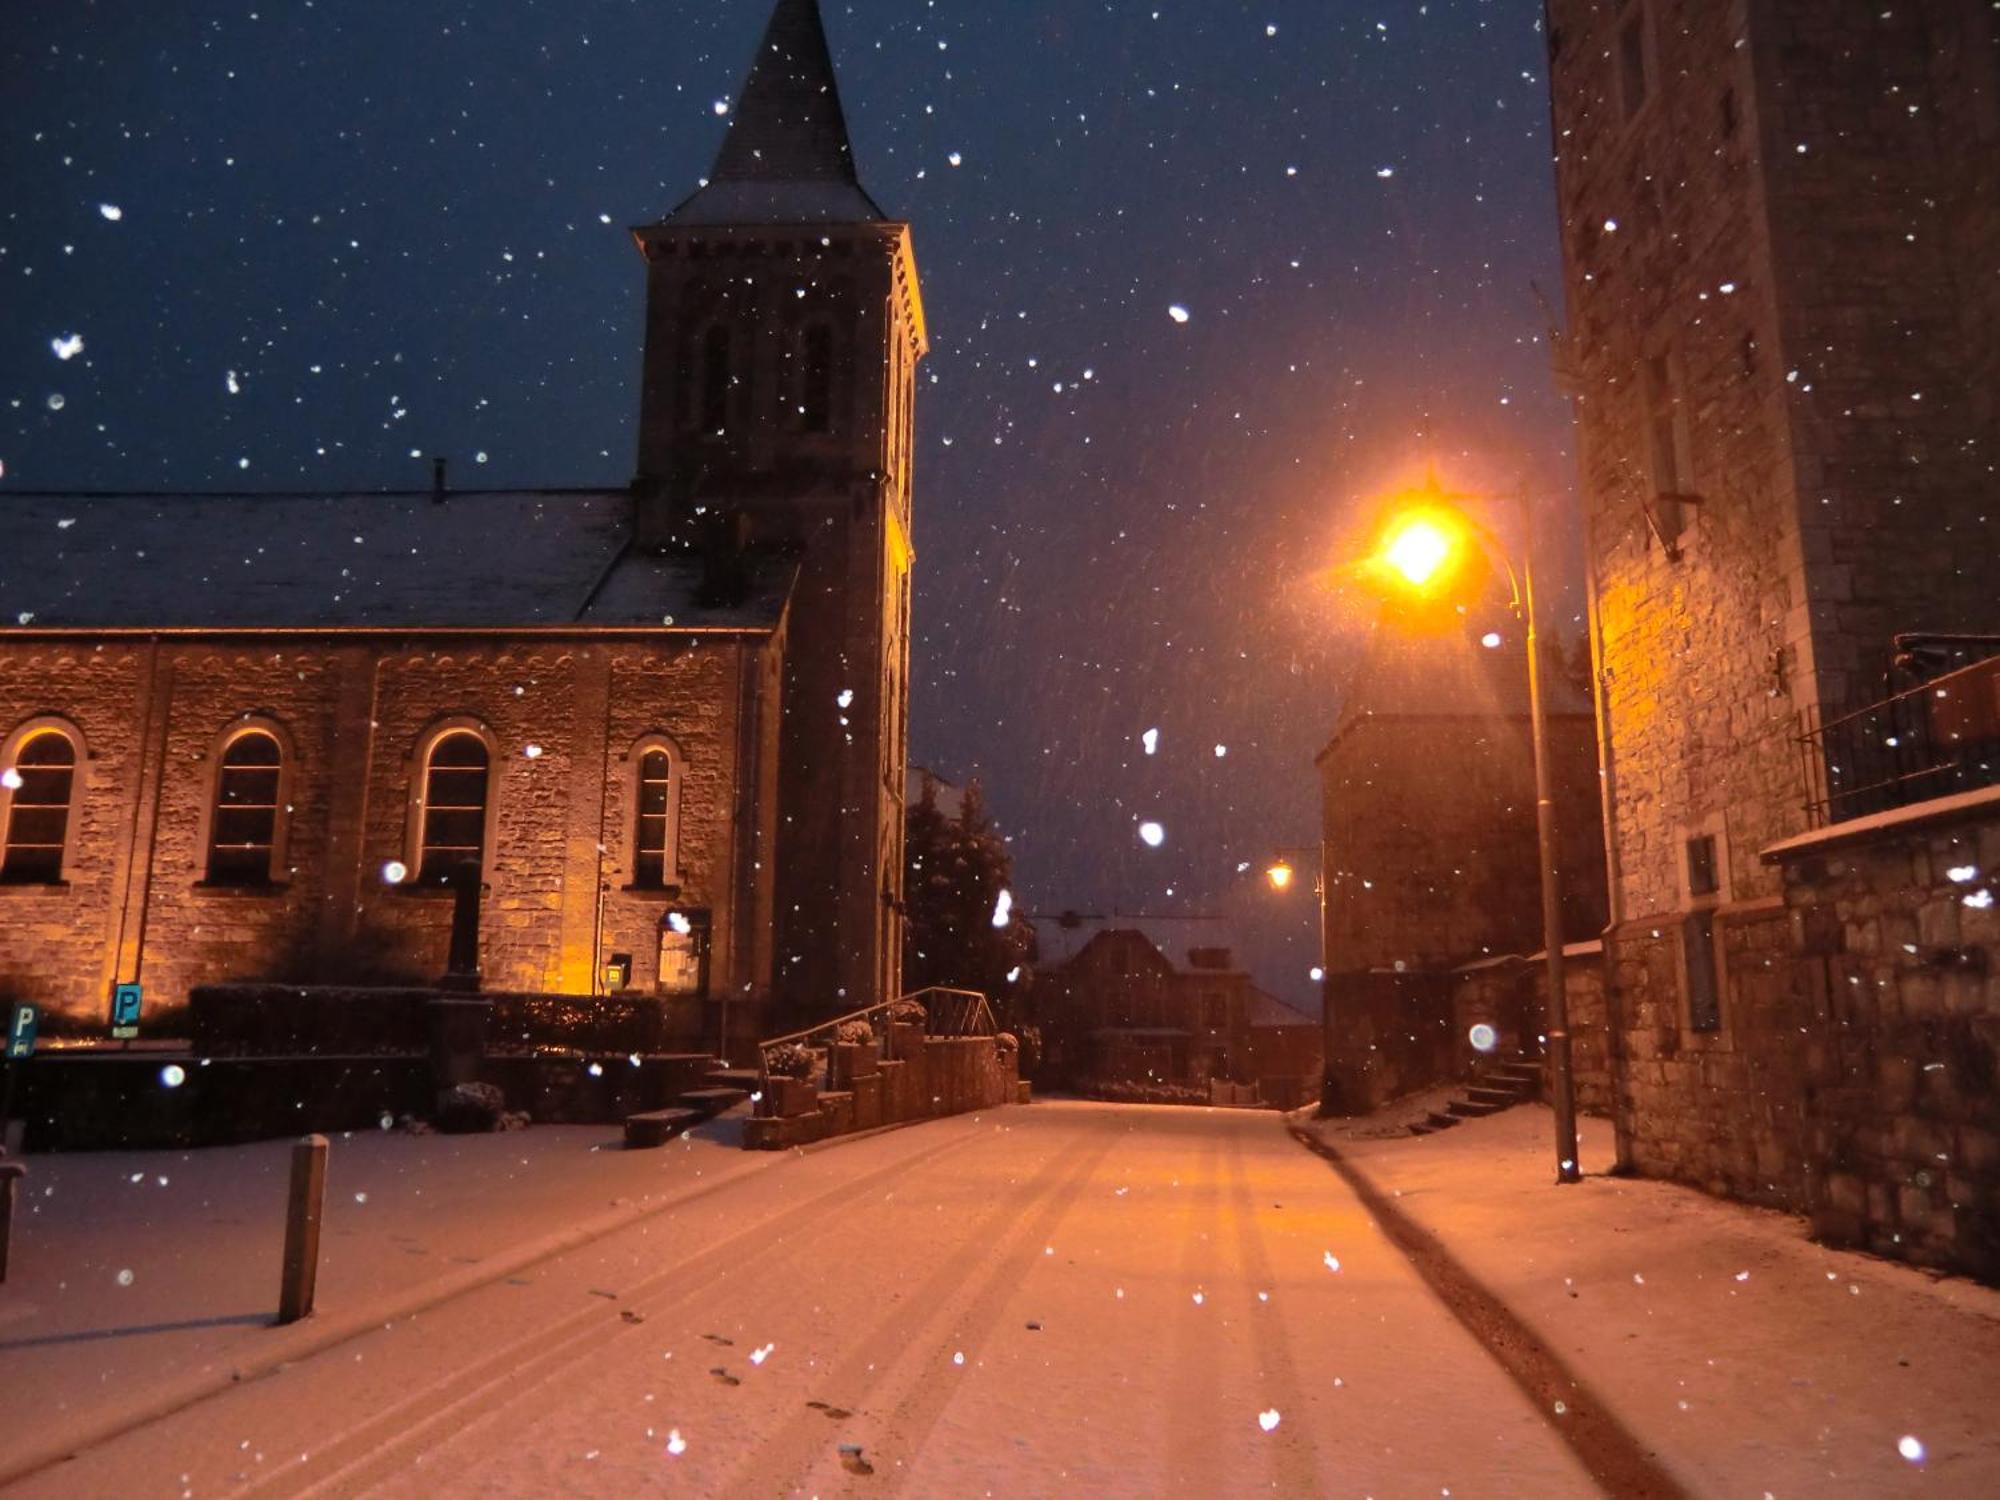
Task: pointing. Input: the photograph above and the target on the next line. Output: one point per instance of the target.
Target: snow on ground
(1072, 1298)
(133, 1267)
(1754, 1361)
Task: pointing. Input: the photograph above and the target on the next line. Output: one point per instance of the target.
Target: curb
(316, 1335)
(1613, 1455)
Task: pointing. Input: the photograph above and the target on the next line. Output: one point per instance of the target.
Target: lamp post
(1417, 551)
(1280, 874)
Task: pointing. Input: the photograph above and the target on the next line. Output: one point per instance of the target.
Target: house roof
(1267, 1009)
(480, 559)
(787, 158)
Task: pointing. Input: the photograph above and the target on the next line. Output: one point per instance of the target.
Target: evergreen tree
(957, 868)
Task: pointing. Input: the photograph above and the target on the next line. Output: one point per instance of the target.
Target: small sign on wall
(22, 1025)
(126, 1000)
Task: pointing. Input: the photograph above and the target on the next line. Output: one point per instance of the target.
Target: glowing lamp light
(1417, 549)
(1280, 875)
(395, 872)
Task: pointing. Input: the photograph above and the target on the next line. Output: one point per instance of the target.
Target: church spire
(787, 157)
(788, 121)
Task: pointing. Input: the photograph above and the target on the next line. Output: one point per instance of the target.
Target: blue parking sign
(126, 1000)
(21, 1028)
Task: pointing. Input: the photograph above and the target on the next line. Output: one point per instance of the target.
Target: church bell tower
(783, 330)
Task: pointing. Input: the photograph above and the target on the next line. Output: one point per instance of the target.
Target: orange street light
(1280, 875)
(1416, 547)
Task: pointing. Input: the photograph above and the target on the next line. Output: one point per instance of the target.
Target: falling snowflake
(1151, 740)
(1268, 1420)
(111, 211)
(1332, 1262)
(676, 1444)
(1003, 908)
(1178, 313)
(1152, 834)
(1911, 1448)
(67, 346)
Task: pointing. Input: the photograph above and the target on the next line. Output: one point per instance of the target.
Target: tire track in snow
(970, 1328)
(1200, 1345)
(375, 1449)
(898, 1346)
(1294, 1457)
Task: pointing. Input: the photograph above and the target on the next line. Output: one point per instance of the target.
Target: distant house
(1119, 1012)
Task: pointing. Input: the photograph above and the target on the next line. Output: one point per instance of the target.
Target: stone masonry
(352, 711)
(1779, 230)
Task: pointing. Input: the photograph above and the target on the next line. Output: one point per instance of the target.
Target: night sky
(306, 241)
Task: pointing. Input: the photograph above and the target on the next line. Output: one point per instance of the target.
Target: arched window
(715, 379)
(243, 830)
(454, 810)
(39, 781)
(654, 763)
(816, 389)
(649, 837)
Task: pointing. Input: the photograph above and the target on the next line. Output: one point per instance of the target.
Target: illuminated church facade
(252, 736)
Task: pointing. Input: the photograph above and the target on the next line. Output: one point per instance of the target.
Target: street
(1070, 1298)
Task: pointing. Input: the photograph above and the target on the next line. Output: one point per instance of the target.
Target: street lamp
(1280, 873)
(1419, 553)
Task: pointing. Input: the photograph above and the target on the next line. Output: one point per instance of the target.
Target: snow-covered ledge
(1958, 807)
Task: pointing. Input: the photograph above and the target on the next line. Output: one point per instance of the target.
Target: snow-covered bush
(792, 1060)
(854, 1033)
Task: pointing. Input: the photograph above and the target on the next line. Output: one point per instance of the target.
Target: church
(255, 736)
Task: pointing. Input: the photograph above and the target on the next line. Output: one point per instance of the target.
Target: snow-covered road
(1065, 1299)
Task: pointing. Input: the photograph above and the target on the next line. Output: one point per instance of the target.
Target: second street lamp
(1417, 554)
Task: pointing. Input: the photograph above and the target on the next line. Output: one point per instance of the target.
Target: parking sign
(21, 1028)
(126, 1000)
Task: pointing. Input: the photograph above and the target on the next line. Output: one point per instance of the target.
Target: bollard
(11, 1173)
(302, 1218)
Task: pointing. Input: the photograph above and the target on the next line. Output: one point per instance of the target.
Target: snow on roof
(1267, 1009)
(482, 559)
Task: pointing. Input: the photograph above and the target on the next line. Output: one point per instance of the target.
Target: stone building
(1118, 1012)
(1780, 223)
(250, 736)
(1428, 847)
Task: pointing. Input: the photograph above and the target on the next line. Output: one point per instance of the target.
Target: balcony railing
(1940, 737)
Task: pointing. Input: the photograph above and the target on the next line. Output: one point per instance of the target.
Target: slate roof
(479, 559)
(787, 158)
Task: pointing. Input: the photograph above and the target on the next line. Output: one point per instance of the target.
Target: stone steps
(714, 1100)
(658, 1126)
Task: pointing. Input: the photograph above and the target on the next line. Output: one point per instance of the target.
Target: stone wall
(562, 715)
(1897, 937)
(1780, 321)
(1511, 997)
(1428, 828)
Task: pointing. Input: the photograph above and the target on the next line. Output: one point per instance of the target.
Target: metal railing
(947, 1012)
(1940, 737)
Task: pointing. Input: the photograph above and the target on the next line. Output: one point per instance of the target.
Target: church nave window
(37, 788)
(456, 775)
(649, 839)
(654, 770)
(246, 820)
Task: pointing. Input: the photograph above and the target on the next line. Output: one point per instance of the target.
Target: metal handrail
(1897, 751)
(966, 1011)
